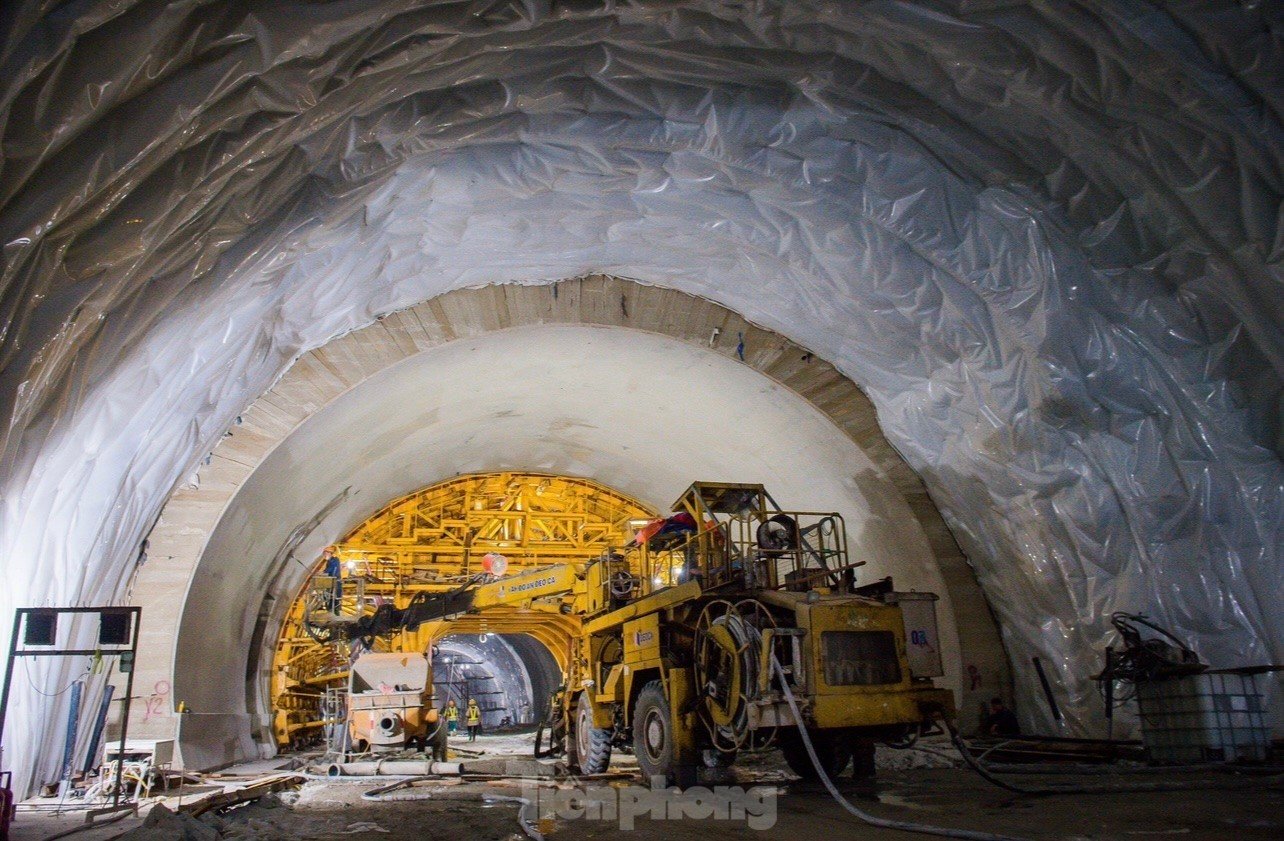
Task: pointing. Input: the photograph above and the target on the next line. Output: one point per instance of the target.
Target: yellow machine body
(844, 654)
(855, 670)
(681, 633)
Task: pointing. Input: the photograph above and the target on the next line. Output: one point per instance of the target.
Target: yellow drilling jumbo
(691, 636)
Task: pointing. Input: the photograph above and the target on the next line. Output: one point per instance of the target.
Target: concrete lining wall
(322, 377)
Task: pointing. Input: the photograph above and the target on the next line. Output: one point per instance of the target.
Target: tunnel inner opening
(644, 412)
(509, 659)
(511, 676)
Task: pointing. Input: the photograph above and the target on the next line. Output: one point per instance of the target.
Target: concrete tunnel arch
(1044, 237)
(227, 611)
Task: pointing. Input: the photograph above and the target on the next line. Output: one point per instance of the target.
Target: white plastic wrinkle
(1046, 245)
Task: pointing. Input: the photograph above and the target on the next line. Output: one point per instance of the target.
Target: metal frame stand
(34, 650)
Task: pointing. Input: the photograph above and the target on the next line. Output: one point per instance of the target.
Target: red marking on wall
(156, 704)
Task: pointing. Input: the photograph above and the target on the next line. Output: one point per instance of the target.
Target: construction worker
(452, 717)
(472, 717)
(333, 568)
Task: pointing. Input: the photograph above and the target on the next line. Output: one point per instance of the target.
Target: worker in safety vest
(452, 717)
(472, 717)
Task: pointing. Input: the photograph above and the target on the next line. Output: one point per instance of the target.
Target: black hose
(987, 773)
(377, 793)
(1076, 769)
(553, 749)
(885, 823)
(1047, 688)
(978, 767)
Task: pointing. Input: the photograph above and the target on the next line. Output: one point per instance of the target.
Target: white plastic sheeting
(1045, 239)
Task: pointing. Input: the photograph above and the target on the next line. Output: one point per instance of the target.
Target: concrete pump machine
(694, 640)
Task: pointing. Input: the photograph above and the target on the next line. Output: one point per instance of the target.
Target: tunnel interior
(433, 540)
(645, 413)
(1042, 240)
(512, 676)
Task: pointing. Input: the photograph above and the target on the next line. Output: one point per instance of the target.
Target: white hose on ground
(527, 815)
(885, 823)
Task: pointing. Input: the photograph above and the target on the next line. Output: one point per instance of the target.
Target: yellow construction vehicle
(687, 635)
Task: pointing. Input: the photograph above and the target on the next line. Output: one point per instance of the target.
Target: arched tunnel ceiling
(1044, 237)
(511, 675)
(646, 413)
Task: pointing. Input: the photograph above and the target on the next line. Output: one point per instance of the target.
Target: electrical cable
(40, 691)
(992, 748)
(884, 823)
(989, 776)
(979, 768)
(95, 825)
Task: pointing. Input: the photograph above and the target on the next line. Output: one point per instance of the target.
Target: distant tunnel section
(511, 676)
(435, 540)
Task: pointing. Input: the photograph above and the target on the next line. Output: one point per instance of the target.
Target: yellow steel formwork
(435, 539)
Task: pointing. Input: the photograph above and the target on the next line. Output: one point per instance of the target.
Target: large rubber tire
(592, 744)
(653, 741)
(833, 751)
(713, 758)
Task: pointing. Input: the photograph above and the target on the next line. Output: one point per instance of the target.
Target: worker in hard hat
(472, 717)
(333, 568)
(452, 717)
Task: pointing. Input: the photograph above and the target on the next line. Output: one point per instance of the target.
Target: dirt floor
(775, 805)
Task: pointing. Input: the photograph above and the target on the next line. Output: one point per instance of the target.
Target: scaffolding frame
(22, 616)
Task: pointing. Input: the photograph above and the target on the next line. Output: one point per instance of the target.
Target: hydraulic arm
(478, 594)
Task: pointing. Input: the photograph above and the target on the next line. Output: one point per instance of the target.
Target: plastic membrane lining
(1044, 238)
